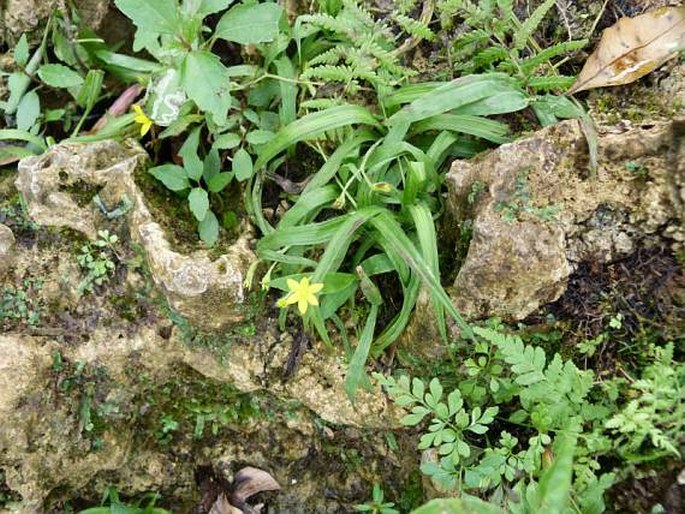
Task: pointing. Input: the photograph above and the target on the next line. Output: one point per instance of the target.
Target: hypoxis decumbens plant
(497, 428)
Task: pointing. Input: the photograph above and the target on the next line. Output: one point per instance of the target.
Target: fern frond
(486, 58)
(528, 27)
(415, 28)
(330, 56)
(529, 64)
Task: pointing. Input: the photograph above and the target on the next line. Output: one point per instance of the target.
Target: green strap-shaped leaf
(453, 95)
(313, 125)
(475, 125)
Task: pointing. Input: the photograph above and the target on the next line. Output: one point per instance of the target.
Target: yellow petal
(316, 287)
(312, 300)
(291, 298)
(292, 284)
(304, 283)
(302, 305)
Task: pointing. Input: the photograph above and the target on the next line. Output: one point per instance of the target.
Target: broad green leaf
(209, 229)
(218, 182)
(552, 494)
(191, 161)
(312, 126)
(287, 111)
(226, 141)
(158, 16)
(202, 8)
(465, 505)
(206, 82)
(198, 201)
(242, 165)
(211, 165)
(28, 111)
(250, 24)
(172, 176)
(21, 51)
(259, 137)
(453, 95)
(58, 75)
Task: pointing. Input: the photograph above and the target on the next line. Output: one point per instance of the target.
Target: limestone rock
(6, 248)
(536, 212)
(59, 188)
(20, 16)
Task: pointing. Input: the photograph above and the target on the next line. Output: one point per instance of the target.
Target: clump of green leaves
(22, 304)
(198, 179)
(497, 39)
(514, 394)
(377, 505)
(350, 48)
(97, 259)
(111, 504)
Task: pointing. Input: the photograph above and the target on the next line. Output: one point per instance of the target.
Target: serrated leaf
(172, 176)
(198, 201)
(242, 165)
(412, 419)
(417, 388)
(463, 448)
(404, 400)
(206, 82)
(209, 229)
(60, 76)
(158, 16)
(454, 401)
(435, 388)
(633, 47)
(250, 24)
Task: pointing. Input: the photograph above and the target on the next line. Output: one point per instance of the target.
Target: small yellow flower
(302, 293)
(142, 119)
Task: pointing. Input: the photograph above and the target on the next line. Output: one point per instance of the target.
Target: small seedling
(97, 260)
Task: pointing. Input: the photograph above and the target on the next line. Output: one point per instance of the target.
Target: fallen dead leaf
(633, 47)
(223, 506)
(250, 481)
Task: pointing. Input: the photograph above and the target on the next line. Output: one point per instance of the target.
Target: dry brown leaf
(223, 506)
(633, 47)
(250, 481)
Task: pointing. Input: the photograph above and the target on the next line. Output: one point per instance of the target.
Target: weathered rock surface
(208, 292)
(20, 16)
(536, 212)
(45, 445)
(6, 248)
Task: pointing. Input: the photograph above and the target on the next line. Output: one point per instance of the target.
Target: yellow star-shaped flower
(142, 119)
(302, 293)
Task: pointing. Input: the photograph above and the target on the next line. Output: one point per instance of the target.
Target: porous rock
(536, 211)
(25, 16)
(60, 187)
(6, 248)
